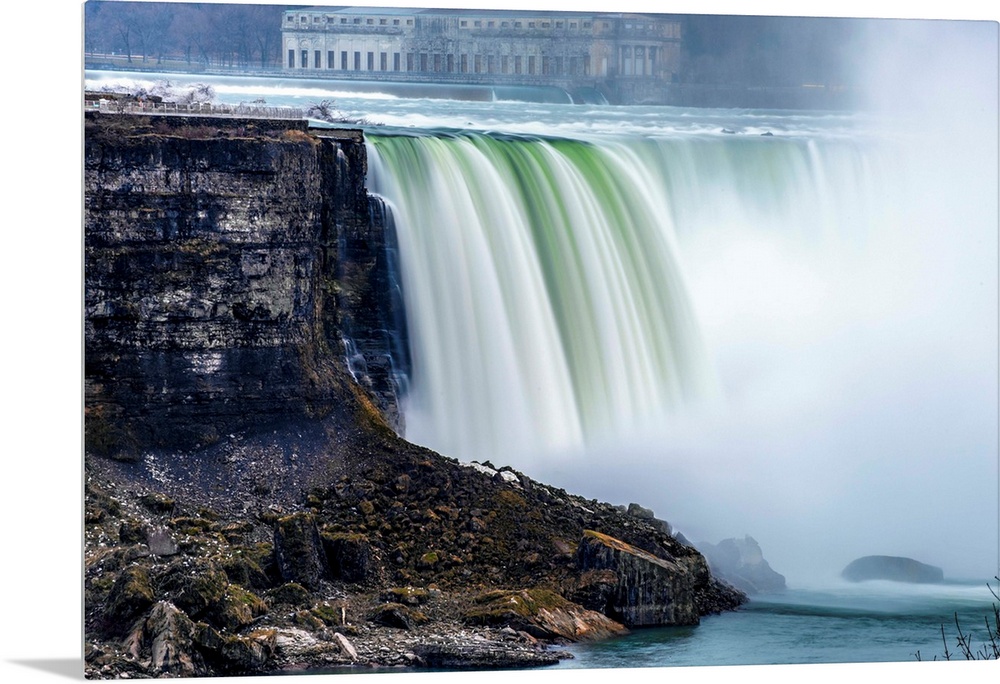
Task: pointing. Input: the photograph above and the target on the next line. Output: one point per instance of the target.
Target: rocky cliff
(249, 506)
(227, 268)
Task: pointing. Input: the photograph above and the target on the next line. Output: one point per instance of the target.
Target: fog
(860, 382)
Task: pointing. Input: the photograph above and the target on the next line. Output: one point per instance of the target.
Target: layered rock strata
(228, 267)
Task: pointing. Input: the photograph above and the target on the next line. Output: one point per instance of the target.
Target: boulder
(298, 550)
(399, 616)
(350, 556)
(741, 563)
(130, 595)
(543, 614)
(650, 591)
(894, 568)
(167, 636)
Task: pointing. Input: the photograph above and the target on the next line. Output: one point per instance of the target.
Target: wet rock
(651, 591)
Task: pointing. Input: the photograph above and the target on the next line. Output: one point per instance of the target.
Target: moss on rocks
(131, 594)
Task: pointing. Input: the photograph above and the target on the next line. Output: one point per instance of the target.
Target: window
(572, 24)
(517, 24)
(383, 22)
(343, 60)
(291, 19)
(504, 24)
(383, 61)
(531, 64)
(586, 24)
(517, 64)
(409, 61)
(369, 21)
(545, 24)
(371, 61)
(395, 22)
(357, 20)
(317, 59)
(329, 59)
(490, 24)
(531, 24)
(357, 61)
(343, 20)
(305, 59)
(303, 20)
(395, 61)
(463, 24)
(291, 59)
(465, 64)
(559, 24)
(477, 24)
(409, 22)
(315, 20)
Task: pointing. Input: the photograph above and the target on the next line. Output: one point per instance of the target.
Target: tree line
(206, 34)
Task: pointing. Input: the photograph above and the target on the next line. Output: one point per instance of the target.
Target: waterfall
(567, 293)
(545, 301)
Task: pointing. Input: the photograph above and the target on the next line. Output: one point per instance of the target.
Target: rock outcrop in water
(894, 568)
(741, 563)
(248, 508)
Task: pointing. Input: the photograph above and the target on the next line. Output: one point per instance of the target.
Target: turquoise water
(870, 622)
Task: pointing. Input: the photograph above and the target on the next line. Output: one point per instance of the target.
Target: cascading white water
(546, 298)
(546, 302)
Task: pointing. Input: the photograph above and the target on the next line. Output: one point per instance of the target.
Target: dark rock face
(741, 563)
(650, 591)
(298, 550)
(225, 275)
(895, 568)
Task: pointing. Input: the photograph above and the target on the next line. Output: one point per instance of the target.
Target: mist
(859, 374)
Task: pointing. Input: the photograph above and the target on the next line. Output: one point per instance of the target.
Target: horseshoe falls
(707, 310)
(548, 305)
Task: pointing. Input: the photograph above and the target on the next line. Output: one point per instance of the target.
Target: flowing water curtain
(544, 294)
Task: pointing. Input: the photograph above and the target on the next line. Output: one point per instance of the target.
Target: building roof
(412, 11)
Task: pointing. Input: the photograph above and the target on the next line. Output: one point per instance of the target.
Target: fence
(242, 111)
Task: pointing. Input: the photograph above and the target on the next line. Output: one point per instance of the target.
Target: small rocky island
(894, 568)
(741, 563)
(249, 505)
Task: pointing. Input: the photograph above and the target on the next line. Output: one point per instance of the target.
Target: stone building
(627, 58)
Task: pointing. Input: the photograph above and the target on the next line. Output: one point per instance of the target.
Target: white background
(41, 496)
